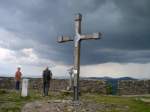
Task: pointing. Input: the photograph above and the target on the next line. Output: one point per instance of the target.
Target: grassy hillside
(11, 101)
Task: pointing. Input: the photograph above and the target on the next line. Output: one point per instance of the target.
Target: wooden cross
(77, 40)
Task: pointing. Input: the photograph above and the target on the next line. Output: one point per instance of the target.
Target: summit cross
(77, 41)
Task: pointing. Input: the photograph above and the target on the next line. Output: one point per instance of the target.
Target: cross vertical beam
(77, 41)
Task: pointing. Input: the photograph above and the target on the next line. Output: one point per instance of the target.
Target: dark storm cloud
(125, 26)
(121, 56)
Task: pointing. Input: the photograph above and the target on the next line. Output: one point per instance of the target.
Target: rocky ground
(69, 106)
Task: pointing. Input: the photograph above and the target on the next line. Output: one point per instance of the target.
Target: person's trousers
(17, 85)
(46, 88)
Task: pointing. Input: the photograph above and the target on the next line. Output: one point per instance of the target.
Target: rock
(98, 86)
(146, 100)
(133, 87)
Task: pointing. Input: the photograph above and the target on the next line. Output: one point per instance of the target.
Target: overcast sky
(29, 31)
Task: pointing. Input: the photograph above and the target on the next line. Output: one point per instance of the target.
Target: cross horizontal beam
(62, 39)
(93, 36)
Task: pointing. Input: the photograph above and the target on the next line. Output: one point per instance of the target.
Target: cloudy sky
(29, 30)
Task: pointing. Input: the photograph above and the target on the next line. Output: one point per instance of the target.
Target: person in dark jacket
(47, 76)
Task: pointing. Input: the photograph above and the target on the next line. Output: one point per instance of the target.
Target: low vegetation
(11, 101)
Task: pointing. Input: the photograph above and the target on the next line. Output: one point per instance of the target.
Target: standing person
(47, 76)
(18, 77)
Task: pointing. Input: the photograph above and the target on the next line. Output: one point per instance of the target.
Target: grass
(133, 103)
(11, 101)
